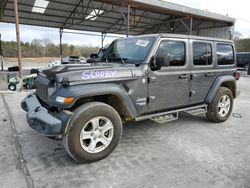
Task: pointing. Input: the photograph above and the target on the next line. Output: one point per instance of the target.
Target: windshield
(132, 50)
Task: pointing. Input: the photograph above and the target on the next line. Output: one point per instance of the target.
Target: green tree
(243, 45)
(45, 47)
(71, 49)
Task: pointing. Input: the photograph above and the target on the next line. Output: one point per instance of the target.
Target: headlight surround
(64, 100)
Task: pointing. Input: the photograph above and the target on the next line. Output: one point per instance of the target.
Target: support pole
(1, 54)
(103, 35)
(102, 40)
(128, 20)
(191, 25)
(18, 44)
(61, 50)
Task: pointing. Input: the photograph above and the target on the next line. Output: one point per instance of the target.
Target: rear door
(169, 87)
(202, 69)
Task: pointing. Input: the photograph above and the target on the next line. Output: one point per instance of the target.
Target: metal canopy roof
(109, 16)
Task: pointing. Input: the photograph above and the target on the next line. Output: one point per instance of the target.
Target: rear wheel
(221, 107)
(94, 132)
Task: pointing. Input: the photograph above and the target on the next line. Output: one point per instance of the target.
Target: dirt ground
(189, 152)
(31, 60)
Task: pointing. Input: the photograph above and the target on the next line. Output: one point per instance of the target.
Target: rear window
(202, 53)
(225, 54)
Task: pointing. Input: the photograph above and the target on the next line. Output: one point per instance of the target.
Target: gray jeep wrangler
(144, 77)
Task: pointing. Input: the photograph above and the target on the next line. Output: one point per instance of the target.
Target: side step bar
(167, 116)
(197, 111)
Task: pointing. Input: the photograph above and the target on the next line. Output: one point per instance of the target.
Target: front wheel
(221, 107)
(12, 87)
(93, 133)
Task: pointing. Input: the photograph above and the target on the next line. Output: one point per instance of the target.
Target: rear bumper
(237, 93)
(41, 120)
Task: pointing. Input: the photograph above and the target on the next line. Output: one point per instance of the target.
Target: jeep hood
(89, 72)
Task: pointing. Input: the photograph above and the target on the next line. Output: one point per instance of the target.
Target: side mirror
(162, 60)
(93, 55)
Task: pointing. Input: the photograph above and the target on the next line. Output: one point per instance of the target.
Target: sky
(237, 9)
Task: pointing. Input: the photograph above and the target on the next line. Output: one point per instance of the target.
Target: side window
(175, 50)
(202, 53)
(225, 54)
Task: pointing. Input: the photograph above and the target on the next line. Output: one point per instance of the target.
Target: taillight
(236, 75)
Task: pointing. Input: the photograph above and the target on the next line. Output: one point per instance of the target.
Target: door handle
(209, 74)
(183, 76)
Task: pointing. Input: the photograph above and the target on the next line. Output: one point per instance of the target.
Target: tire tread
(211, 113)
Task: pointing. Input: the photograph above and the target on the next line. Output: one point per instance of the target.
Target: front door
(169, 87)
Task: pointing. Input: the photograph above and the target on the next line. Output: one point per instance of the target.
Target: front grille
(42, 84)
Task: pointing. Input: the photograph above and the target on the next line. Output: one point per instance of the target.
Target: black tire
(213, 109)
(82, 116)
(27, 86)
(247, 67)
(12, 87)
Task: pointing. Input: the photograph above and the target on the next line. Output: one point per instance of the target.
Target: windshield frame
(132, 61)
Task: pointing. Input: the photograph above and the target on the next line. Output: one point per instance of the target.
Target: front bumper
(41, 120)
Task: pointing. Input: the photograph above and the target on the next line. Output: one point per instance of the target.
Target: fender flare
(92, 90)
(216, 85)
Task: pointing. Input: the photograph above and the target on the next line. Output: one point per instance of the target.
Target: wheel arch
(113, 100)
(222, 81)
(114, 95)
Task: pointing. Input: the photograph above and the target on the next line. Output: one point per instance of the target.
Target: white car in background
(54, 63)
(68, 60)
(83, 59)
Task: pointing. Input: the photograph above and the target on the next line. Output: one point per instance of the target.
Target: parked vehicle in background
(54, 63)
(82, 59)
(28, 81)
(68, 60)
(242, 71)
(144, 77)
(73, 60)
(243, 60)
(97, 57)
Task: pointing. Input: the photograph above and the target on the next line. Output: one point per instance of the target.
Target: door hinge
(192, 93)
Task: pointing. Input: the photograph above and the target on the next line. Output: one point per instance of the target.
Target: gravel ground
(189, 152)
(3, 81)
